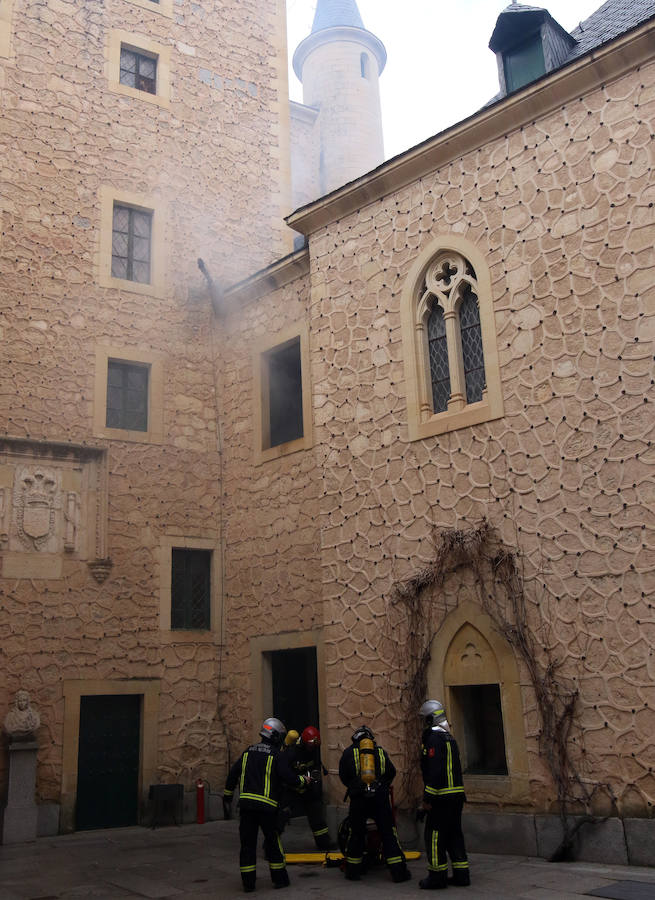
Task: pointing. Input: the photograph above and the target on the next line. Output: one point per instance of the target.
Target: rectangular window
(524, 63)
(191, 589)
(131, 244)
(138, 70)
(283, 377)
(483, 742)
(127, 396)
(5, 26)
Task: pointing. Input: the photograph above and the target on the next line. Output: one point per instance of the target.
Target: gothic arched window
(452, 369)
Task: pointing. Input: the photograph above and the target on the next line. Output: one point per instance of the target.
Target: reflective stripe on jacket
(440, 764)
(260, 773)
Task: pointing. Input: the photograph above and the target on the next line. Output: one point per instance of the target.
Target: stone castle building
(412, 456)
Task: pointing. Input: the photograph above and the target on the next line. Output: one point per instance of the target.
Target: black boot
(248, 884)
(281, 879)
(400, 873)
(435, 881)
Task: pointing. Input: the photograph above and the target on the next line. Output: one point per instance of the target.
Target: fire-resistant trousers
(250, 823)
(443, 839)
(377, 808)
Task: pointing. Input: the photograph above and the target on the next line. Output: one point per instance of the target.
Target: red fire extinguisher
(200, 801)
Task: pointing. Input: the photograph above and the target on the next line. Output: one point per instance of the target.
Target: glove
(227, 808)
(305, 781)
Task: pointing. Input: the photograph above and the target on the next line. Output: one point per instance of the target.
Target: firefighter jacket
(440, 764)
(305, 760)
(350, 771)
(261, 772)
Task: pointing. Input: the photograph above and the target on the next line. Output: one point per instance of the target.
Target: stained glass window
(130, 244)
(190, 589)
(438, 348)
(127, 396)
(472, 353)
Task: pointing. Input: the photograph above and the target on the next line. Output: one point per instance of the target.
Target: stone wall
(212, 158)
(272, 536)
(561, 210)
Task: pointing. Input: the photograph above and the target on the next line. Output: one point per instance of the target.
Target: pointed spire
(336, 13)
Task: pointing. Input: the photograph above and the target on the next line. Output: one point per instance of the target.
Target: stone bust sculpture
(21, 722)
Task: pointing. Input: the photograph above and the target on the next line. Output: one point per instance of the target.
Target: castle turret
(339, 65)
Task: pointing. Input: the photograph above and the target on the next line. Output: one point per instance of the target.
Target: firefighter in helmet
(367, 772)
(261, 772)
(443, 800)
(304, 758)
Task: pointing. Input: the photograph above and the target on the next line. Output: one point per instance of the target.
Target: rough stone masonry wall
(213, 157)
(271, 515)
(562, 210)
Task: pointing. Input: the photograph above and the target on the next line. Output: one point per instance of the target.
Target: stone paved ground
(201, 862)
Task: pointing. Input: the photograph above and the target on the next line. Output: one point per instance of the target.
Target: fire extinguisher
(200, 801)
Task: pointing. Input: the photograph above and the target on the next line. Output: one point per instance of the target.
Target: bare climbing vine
(417, 617)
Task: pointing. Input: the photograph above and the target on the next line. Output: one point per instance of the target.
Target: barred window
(191, 589)
(131, 244)
(438, 348)
(127, 395)
(452, 370)
(449, 295)
(472, 352)
(138, 70)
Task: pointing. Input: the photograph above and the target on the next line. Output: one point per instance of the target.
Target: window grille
(472, 353)
(131, 244)
(138, 71)
(127, 396)
(190, 589)
(438, 349)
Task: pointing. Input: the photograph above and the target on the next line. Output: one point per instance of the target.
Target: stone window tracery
(448, 310)
(451, 361)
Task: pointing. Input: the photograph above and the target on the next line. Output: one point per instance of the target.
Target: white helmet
(273, 730)
(433, 712)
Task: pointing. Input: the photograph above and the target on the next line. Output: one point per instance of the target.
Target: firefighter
(261, 771)
(443, 800)
(305, 759)
(367, 772)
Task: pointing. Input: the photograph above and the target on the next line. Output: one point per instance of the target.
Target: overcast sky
(439, 67)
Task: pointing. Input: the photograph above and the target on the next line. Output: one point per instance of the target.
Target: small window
(524, 63)
(481, 725)
(138, 70)
(191, 589)
(282, 374)
(451, 363)
(6, 7)
(365, 64)
(131, 244)
(127, 396)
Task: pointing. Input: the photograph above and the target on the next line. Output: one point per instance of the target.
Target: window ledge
(134, 287)
(442, 423)
(163, 8)
(281, 450)
(157, 99)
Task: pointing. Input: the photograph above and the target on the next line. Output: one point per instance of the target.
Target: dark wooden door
(295, 687)
(108, 761)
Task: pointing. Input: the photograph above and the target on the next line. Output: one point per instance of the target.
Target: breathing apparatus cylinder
(367, 762)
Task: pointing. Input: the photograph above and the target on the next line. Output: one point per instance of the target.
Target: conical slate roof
(335, 13)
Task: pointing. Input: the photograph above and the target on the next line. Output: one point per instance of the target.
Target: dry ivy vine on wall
(501, 595)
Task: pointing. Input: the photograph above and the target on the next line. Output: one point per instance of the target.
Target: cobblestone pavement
(201, 861)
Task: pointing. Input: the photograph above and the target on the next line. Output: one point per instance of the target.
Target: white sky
(439, 67)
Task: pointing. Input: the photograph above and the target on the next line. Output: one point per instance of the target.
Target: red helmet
(311, 736)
